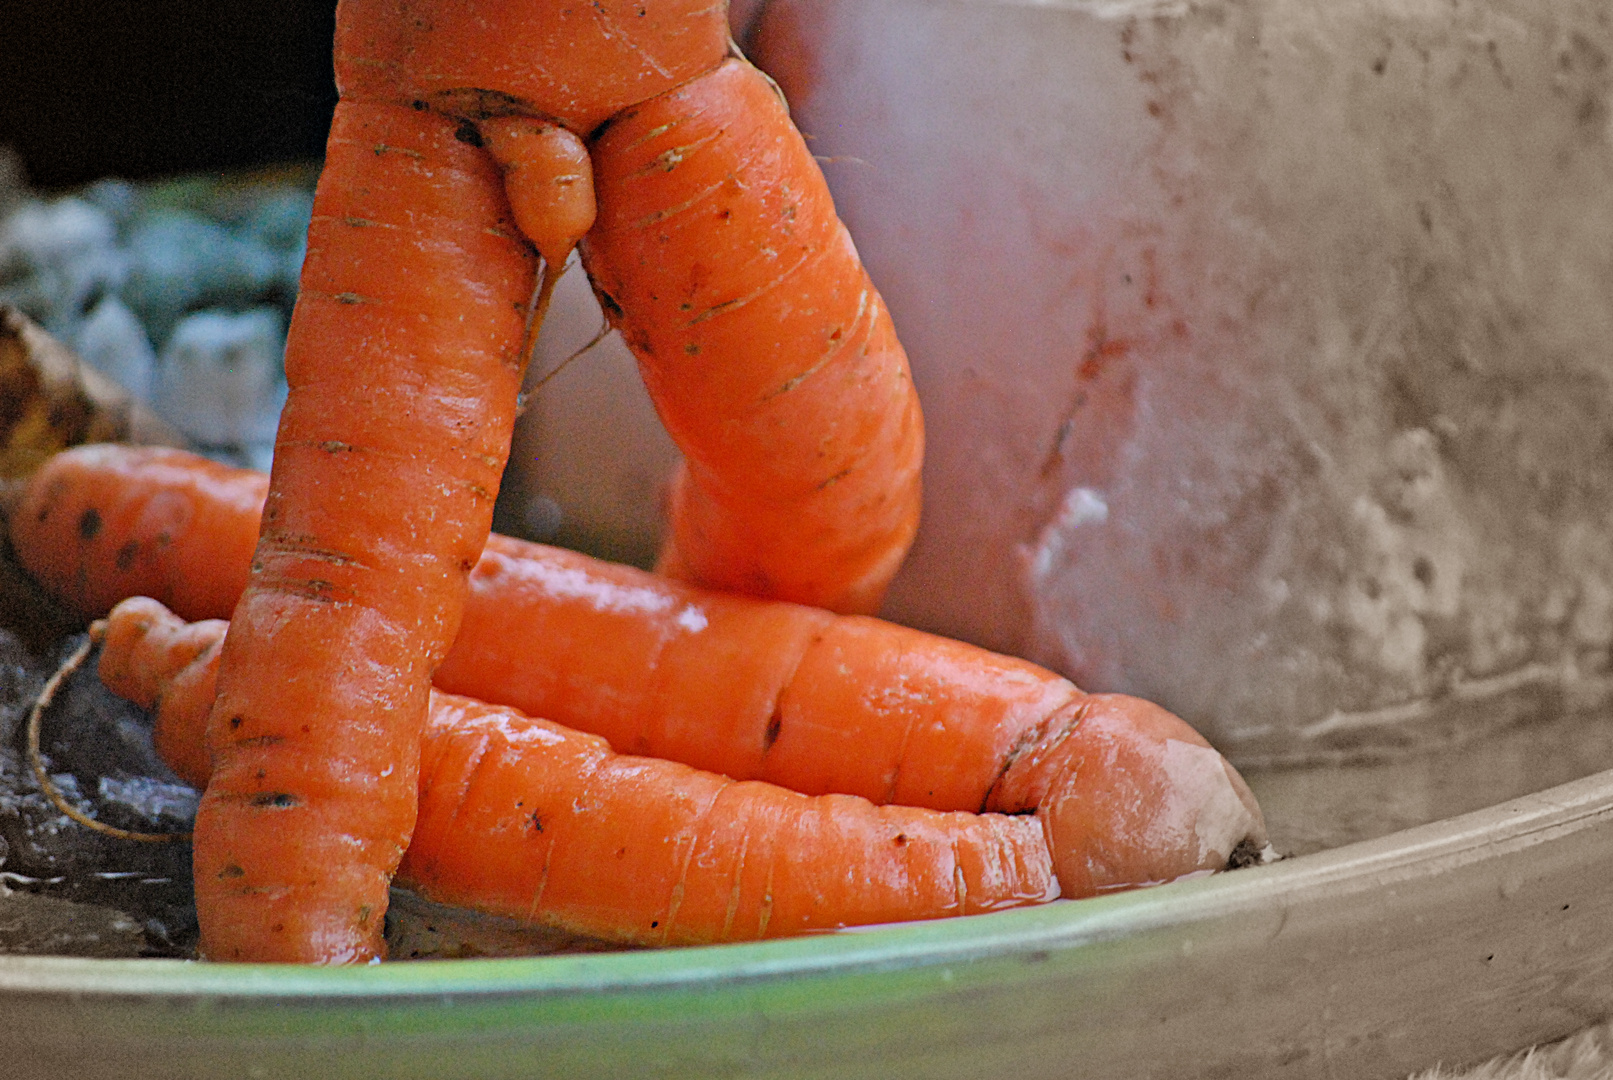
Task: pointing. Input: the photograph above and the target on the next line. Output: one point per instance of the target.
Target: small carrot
(766, 348)
(524, 818)
(821, 703)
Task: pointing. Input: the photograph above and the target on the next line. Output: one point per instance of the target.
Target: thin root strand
(36, 761)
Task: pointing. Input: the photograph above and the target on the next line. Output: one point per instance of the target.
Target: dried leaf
(50, 400)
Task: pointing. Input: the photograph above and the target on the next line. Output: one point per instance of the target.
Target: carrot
(821, 703)
(718, 253)
(768, 352)
(524, 818)
(403, 362)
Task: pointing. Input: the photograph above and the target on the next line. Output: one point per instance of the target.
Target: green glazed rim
(1449, 942)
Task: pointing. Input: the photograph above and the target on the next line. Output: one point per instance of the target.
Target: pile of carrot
(524, 818)
(756, 690)
(470, 142)
(474, 147)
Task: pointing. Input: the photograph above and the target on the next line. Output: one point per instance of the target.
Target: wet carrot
(821, 703)
(1128, 793)
(768, 352)
(524, 818)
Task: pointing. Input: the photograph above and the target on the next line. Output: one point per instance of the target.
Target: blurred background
(92, 89)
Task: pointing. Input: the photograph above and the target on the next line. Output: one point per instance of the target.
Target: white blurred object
(1314, 300)
(57, 258)
(112, 341)
(220, 380)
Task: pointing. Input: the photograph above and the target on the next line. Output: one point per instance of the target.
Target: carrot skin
(657, 668)
(1130, 795)
(403, 366)
(549, 179)
(524, 818)
(529, 820)
(403, 359)
(577, 64)
(104, 522)
(764, 345)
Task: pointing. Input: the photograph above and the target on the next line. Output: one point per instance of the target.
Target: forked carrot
(405, 351)
(524, 818)
(811, 701)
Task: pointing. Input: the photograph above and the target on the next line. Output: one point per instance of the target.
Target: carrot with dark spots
(407, 345)
(89, 520)
(415, 322)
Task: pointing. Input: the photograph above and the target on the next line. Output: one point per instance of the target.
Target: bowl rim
(1329, 878)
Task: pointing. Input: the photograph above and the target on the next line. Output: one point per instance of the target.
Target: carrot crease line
(690, 840)
(316, 554)
(667, 213)
(830, 481)
(654, 133)
(36, 758)
(765, 915)
(900, 757)
(543, 883)
(775, 712)
(757, 293)
(1031, 737)
(960, 882)
(316, 589)
(612, 30)
(837, 342)
(483, 750)
(735, 889)
(385, 148)
(671, 158)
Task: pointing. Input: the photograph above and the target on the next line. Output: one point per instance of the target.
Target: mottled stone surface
(1266, 348)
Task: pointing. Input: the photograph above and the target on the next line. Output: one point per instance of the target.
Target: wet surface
(1317, 807)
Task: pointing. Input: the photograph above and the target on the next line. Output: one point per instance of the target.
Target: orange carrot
(768, 352)
(821, 703)
(1128, 793)
(718, 253)
(403, 362)
(524, 818)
